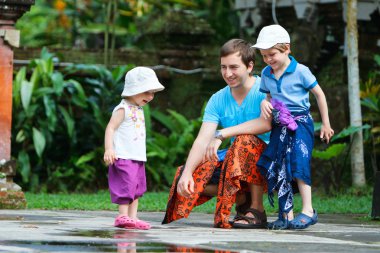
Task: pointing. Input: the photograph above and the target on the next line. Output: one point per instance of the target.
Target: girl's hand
(109, 156)
(326, 133)
(266, 109)
(211, 150)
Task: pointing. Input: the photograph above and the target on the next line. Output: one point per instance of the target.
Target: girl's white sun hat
(139, 80)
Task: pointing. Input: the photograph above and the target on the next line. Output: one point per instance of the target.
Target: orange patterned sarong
(237, 171)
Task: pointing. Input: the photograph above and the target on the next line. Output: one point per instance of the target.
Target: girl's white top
(129, 138)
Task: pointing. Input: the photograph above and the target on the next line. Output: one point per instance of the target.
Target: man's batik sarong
(237, 171)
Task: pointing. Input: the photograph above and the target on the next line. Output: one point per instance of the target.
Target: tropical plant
(112, 24)
(167, 149)
(336, 155)
(44, 106)
(59, 124)
(370, 100)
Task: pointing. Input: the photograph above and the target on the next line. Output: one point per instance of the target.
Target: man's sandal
(259, 219)
(302, 221)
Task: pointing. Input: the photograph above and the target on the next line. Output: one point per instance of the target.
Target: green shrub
(168, 148)
(59, 122)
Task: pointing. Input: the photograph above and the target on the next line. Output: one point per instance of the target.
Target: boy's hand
(109, 156)
(326, 133)
(266, 109)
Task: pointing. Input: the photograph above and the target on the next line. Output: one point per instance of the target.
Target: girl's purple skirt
(126, 181)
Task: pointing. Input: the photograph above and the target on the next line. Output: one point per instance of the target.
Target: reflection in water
(126, 247)
(129, 245)
(187, 249)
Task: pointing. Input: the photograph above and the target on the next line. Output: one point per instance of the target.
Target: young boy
(287, 157)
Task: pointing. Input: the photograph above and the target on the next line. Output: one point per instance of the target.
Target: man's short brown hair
(245, 49)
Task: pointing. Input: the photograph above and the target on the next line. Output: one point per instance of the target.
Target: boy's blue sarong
(287, 157)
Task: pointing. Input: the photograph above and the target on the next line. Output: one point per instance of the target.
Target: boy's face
(234, 71)
(275, 58)
(141, 98)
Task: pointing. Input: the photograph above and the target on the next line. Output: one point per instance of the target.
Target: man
(237, 109)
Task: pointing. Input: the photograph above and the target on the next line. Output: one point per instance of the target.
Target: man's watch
(218, 135)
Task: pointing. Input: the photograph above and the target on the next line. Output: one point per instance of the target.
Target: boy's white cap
(271, 35)
(139, 80)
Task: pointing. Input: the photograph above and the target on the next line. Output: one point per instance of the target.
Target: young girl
(125, 150)
(286, 160)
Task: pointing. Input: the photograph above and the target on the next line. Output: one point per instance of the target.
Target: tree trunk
(357, 156)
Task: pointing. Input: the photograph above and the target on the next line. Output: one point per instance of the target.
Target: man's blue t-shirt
(223, 110)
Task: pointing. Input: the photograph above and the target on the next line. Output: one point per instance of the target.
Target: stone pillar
(11, 195)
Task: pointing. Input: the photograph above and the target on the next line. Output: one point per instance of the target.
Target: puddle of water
(11, 217)
(132, 241)
(122, 247)
(33, 218)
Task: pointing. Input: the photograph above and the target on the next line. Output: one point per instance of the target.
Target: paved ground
(75, 231)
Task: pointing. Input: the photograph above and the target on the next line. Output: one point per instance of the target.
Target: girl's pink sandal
(124, 221)
(142, 225)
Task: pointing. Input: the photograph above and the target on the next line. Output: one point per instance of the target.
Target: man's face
(233, 70)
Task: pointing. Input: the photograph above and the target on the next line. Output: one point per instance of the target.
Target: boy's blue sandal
(303, 221)
(279, 224)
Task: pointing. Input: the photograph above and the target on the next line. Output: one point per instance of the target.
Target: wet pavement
(92, 231)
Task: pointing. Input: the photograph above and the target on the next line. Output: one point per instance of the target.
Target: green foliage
(336, 155)
(90, 24)
(331, 152)
(168, 150)
(370, 100)
(334, 150)
(59, 122)
(41, 27)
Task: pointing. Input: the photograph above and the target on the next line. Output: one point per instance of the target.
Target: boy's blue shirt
(223, 110)
(292, 87)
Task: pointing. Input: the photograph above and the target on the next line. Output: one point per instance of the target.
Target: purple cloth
(285, 117)
(126, 181)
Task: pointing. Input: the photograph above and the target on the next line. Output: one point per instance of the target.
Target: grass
(348, 203)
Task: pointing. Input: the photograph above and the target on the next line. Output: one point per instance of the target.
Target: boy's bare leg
(305, 192)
